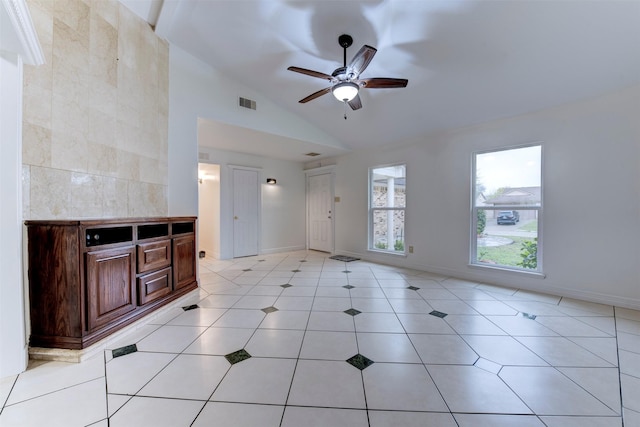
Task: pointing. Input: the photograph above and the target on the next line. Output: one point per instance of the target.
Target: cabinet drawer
(154, 255)
(154, 285)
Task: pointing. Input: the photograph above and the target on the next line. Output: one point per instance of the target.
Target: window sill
(533, 274)
(396, 254)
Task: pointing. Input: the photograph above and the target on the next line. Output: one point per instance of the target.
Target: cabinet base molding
(120, 337)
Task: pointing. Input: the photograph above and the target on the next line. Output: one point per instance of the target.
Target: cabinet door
(110, 285)
(184, 261)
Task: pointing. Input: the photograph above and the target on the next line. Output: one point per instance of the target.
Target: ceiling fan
(346, 81)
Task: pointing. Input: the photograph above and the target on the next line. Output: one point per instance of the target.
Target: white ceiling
(466, 61)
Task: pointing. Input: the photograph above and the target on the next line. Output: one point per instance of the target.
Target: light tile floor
(495, 356)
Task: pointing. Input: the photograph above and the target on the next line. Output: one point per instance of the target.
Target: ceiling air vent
(247, 103)
(312, 154)
(203, 156)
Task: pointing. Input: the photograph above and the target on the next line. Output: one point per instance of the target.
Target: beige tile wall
(95, 116)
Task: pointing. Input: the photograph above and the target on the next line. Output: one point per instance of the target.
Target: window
(387, 203)
(507, 209)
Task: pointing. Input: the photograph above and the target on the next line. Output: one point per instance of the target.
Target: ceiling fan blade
(315, 95)
(355, 103)
(311, 73)
(383, 83)
(361, 60)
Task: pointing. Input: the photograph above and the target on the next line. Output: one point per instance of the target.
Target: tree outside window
(507, 208)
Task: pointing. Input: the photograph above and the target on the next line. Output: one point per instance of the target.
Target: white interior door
(320, 196)
(245, 212)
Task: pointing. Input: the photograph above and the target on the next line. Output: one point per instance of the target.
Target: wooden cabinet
(88, 279)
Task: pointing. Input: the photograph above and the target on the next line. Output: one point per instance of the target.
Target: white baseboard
(477, 275)
(284, 249)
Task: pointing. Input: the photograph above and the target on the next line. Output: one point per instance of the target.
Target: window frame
(371, 209)
(473, 246)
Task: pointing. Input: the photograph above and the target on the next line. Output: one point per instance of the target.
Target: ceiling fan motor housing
(345, 40)
(341, 74)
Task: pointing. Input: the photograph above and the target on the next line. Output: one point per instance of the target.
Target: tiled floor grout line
(295, 368)
(106, 386)
(4, 403)
(622, 406)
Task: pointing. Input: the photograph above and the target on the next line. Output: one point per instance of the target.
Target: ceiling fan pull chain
(345, 109)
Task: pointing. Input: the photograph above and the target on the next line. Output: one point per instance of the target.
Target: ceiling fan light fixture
(345, 91)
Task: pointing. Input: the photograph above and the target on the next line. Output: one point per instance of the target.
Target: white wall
(13, 351)
(198, 90)
(591, 178)
(282, 212)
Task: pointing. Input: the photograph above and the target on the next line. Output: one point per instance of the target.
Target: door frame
(324, 170)
(258, 171)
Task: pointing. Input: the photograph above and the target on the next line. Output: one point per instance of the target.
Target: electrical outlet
(410, 249)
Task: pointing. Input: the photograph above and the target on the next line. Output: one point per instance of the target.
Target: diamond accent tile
(247, 269)
(303, 260)
(286, 285)
(529, 316)
(359, 361)
(123, 351)
(352, 312)
(346, 271)
(413, 288)
(261, 260)
(296, 271)
(269, 309)
(237, 356)
(438, 314)
(348, 287)
(190, 307)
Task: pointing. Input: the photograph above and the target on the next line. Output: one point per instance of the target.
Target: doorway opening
(209, 209)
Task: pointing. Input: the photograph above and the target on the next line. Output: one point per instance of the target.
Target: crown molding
(20, 18)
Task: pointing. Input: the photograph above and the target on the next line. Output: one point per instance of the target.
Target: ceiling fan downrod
(345, 41)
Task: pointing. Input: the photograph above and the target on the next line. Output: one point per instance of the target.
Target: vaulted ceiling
(466, 61)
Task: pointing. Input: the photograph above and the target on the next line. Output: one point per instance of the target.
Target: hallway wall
(283, 206)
